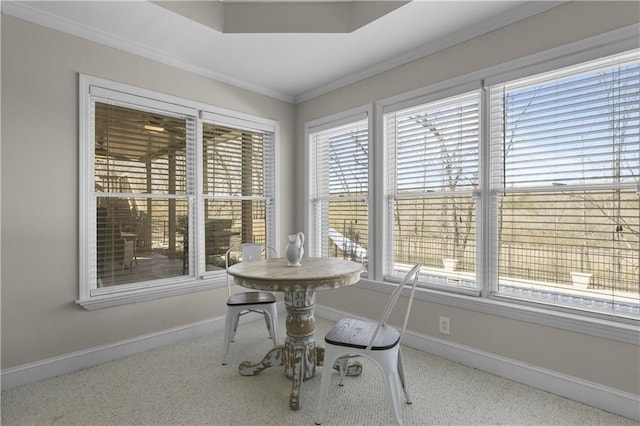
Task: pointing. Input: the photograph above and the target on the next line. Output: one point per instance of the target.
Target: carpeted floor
(185, 384)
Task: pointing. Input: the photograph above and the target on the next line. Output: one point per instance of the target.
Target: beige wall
(40, 191)
(595, 359)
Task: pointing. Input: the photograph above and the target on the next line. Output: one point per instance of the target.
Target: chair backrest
(247, 252)
(139, 226)
(410, 277)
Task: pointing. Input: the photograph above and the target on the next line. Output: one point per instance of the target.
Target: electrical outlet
(445, 325)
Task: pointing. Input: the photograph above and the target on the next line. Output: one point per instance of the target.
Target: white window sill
(142, 295)
(626, 332)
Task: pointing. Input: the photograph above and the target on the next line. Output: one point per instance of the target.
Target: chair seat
(357, 334)
(251, 298)
(351, 338)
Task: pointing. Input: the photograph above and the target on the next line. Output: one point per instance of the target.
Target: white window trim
(617, 329)
(386, 272)
(238, 122)
(591, 326)
(324, 123)
(92, 299)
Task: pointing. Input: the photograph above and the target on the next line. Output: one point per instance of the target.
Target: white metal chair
(379, 342)
(239, 304)
(130, 235)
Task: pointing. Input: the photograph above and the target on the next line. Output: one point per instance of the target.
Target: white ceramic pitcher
(295, 249)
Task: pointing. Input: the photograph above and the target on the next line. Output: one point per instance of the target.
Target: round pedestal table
(299, 354)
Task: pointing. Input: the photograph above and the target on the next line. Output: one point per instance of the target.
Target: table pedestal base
(274, 358)
(299, 355)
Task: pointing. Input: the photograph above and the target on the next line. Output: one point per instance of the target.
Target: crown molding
(26, 12)
(517, 14)
(23, 10)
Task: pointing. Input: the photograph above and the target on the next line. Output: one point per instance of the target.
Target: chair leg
(388, 363)
(273, 330)
(236, 320)
(344, 362)
(330, 358)
(391, 382)
(230, 322)
(271, 325)
(403, 378)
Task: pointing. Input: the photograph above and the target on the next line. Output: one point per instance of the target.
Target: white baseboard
(76, 361)
(592, 394)
(595, 395)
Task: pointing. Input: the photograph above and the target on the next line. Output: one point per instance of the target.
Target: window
(166, 188)
(339, 189)
(516, 185)
(237, 196)
(431, 179)
(565, 158)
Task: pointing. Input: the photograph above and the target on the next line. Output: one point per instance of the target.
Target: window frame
(313, 233)
(92, 89)
(389, 272)
(252, 125)
(486, 300)
(501, 187)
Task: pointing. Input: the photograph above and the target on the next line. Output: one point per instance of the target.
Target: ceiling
(246, 44)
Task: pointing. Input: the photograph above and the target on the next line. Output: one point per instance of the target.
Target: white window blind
(339, 190)
(432, 172)
(237, 189)
(140, 185)
(165, 189)
(565, 171)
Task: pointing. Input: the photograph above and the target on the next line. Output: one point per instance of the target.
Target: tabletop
(314, 273)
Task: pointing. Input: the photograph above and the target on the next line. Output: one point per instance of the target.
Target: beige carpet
(185, 384)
